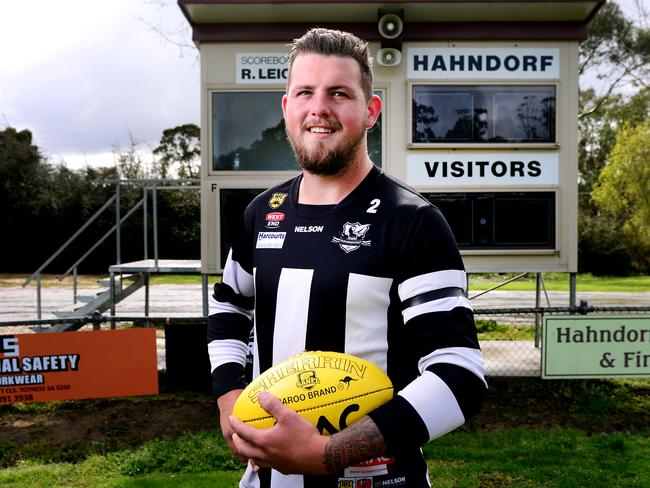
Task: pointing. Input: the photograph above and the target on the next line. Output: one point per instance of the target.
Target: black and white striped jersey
(378, 276)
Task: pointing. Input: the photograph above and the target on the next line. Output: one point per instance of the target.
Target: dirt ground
(74, 429)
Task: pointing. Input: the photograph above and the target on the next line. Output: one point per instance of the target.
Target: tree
(615, 59)
(598, 133)
(130, 163)
(180, 151)
(42, 204)
(617, 56)
(617, 53)
(623, 190)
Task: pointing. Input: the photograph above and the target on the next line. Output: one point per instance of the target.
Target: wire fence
(510, 338)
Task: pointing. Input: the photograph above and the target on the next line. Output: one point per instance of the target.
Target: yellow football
(330, 389)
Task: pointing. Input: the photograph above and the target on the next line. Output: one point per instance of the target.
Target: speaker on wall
(389, 56)
(390, 25)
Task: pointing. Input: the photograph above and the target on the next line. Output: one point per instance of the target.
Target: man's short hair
(329, 42)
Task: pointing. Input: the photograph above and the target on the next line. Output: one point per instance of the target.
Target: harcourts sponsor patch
(270, 240)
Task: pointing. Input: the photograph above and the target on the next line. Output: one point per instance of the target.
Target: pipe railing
(148, 184)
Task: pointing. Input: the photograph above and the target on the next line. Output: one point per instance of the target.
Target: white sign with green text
(596, 346)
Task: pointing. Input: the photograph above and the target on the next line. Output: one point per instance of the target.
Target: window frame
(380, 88)
(511, 250)
(282, 173)
(478, 145)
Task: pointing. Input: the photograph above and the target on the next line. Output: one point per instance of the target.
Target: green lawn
(478, 282)
(510, 457)
(531, 433)
(560, 282)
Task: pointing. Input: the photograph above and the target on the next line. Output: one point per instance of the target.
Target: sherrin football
(330, 389)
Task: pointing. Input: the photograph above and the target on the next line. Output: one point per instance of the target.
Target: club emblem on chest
(352, 236)
(277, 199)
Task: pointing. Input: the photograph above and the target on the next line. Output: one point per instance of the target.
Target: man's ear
(284, 105)
(374, 109)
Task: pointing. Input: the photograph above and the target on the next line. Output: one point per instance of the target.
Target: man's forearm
(358, 442)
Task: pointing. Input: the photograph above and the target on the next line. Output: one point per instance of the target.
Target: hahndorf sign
(596, 346)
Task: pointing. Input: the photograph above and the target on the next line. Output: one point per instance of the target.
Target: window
(483, 113)
(509, 220)
(248, 133)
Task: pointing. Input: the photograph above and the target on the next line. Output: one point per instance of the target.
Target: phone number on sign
(28, 397)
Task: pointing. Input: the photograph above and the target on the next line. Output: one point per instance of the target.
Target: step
(119, 279)
(86, 298)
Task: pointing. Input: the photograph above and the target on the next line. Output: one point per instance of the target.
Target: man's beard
(327, 162)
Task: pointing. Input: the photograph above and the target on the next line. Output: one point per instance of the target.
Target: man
(359, 263)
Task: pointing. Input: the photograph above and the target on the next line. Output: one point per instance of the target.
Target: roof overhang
(259, 20)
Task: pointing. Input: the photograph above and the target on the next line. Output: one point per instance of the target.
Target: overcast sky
(85, 75)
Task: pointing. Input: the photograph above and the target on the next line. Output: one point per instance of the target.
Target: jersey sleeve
(440, 335)
(230, 318)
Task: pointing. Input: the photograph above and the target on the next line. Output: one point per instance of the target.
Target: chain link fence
(510, 338)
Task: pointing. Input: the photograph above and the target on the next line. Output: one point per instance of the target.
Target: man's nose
(320, 105)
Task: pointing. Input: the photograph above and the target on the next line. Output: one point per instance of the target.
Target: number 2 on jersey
(373, 205)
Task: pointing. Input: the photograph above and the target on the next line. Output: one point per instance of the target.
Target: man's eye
(340, 94)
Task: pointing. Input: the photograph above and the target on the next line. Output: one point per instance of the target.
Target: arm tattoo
(358, 442)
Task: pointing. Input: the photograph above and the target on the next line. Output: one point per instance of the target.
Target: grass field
(530, 433)
(478, 282)
(513, 457)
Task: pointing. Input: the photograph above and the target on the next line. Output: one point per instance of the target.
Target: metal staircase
(101, 301)
(116, 287)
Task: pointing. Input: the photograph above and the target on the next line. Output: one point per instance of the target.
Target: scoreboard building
(480, 114)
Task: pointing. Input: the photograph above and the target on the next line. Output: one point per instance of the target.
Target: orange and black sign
(76, 365)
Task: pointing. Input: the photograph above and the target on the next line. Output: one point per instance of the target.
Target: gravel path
(17, 303)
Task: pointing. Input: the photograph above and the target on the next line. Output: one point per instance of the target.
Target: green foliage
(41, 204)
(486, 325)
(622, 194)
(130, 162)
(598, 132)
(180, 152)
(490, 330)
(617, 54)
(602, 247)
(613, 219)
(616, 51)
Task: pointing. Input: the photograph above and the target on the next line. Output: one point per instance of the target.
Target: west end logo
(277, 199)
(352, 236)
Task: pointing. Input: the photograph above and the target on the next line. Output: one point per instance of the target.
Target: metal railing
(148, 185)
(508, 336)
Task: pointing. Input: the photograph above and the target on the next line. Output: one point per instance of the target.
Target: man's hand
(292, 445)
(226, 403)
